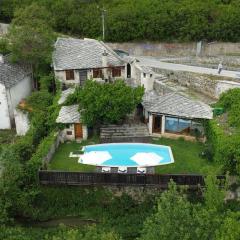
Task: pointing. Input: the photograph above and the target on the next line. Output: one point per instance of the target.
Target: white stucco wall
(70, 129)
(223, 86)
(72, 137)
(150, 123)
(85, 132)
(4, 112)
(147, 81)
(21, 121)
(163, 124)
(19, 91)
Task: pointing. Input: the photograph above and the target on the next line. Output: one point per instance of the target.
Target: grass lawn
(62, 161)
(186, 156)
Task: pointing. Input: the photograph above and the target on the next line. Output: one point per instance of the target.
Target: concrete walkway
(154, 62)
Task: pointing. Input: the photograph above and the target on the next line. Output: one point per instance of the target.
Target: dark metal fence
(121, 179)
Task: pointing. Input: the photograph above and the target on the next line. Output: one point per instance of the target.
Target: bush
(40, 101)
(225, 145)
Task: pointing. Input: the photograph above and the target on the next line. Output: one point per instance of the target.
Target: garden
(187, 156)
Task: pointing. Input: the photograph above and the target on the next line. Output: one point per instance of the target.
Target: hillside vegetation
(128, 20)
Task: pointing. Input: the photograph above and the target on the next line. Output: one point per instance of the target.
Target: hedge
(223, 148)
(36, 160)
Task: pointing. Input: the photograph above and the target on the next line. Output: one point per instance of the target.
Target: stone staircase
(124, 133)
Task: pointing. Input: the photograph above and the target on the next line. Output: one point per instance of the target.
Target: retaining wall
(177, 49)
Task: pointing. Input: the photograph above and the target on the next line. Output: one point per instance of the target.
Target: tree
(172, 219)
(31, 36)
(105, 103)
(229, 230)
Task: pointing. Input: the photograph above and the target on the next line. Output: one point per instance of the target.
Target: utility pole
(103, 23)
(103, 12)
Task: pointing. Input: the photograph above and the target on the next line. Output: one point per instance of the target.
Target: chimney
(104, 59)
(1, 58)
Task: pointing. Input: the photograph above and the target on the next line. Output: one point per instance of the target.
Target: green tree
(105, 103)
(229, 229)
(31, 36)
(173, 218)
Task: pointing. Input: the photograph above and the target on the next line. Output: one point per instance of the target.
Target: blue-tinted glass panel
(171, 124)
(184, 125)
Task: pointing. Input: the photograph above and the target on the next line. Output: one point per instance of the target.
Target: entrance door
(78, 130)
(157, 123)
(128, 70)
(82, 76)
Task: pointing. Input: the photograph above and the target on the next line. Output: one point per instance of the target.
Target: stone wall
(53, 148)
(156, 49)
(208, 85)
(223, 86)
(177, 49)
(138, 193)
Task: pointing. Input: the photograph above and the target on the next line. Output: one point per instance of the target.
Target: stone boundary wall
(21, 122)
(54, 147)
(177, 49)
(200, 83)
(4, 28)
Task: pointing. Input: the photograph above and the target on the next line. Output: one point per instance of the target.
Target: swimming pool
(127, 155)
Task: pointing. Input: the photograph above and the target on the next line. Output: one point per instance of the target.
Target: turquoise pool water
(130, 154)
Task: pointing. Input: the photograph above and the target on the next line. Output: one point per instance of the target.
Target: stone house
(15, 85)
(174, 115)
(70, 117)
(76, 60)
(138, 75)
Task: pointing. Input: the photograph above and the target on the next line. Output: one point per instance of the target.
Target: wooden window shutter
(116, 72)
(69, 74)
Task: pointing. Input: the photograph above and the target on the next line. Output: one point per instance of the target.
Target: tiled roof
(11, 74)
(68, 114)
(65, 94)
(72, 53)
(177, 105)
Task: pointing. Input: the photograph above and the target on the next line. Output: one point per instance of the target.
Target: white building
(76, 60)
(138, 75)
(15, 84)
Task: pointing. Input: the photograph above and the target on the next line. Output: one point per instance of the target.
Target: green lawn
(62, 161)
(186, 156)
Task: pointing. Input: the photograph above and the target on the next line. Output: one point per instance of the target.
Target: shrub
(40, 100)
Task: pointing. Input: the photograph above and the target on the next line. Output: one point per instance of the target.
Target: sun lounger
(106, 169)
(141, 170)
(122, 170)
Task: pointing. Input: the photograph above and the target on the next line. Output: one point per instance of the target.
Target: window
(150, 75)
(116, 72)
(171, 124)
(69, 132)
(97, 73)
(69, 74)
(144, 75)
(182, 126)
